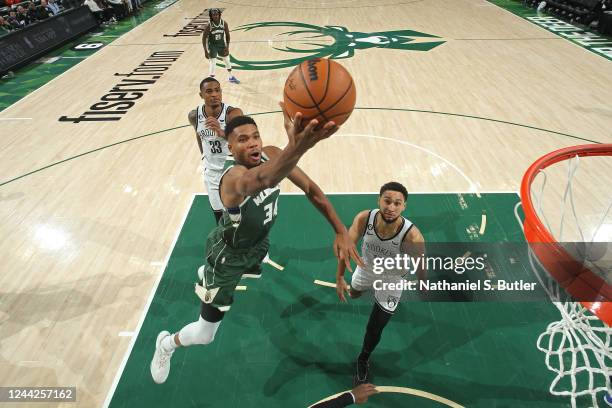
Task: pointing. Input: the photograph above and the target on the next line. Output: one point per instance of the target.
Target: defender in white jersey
(209, 121)
(384, 234)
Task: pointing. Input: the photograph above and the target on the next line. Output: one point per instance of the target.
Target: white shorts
(211, 181)
(363, 281)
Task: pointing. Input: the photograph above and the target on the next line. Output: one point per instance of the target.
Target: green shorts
(225, 266)
(215, 50)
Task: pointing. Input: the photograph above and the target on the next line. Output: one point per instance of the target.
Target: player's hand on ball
(306, 135)
(362, 392)
(213, 124)
(341, 288)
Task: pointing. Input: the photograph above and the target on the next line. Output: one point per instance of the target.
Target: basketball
(321, 89)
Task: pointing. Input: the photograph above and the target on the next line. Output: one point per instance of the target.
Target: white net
(577, 347)
(577, 350)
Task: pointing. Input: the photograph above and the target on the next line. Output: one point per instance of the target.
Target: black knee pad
(210, 313)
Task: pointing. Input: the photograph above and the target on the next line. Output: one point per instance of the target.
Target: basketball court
(104, 215)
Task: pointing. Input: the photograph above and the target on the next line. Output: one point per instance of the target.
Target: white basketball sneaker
(160, 365)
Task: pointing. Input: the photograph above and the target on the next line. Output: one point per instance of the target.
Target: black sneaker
(362, 375)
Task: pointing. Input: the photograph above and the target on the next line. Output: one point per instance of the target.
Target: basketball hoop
(578, 347)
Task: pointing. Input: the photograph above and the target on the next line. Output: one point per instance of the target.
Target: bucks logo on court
(313, 41)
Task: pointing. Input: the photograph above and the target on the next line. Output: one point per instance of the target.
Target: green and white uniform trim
(216, 39)
(249, 223)
(235, 248)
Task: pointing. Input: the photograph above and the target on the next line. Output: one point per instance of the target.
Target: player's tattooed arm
(414, 246)
(355, 232)
(193, 116)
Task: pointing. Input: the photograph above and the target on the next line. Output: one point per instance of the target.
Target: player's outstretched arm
(354, 233)
(243, 182)
(357, 395)
(344, 247)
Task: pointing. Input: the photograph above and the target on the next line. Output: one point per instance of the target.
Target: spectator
(45, 8)
(53, 7)
(93, 7)
(120, 8)
(109, 13)
(36, 13)
(5, 27)
(23, 17)
(13, 20)
(97, 11)
(12, 2)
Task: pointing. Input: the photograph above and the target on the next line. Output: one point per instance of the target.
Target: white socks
(211, 69)
(228, 65)
(200, 332)
(168, 343)
(212, 63)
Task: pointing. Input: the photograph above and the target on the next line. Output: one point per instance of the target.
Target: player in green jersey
(216, 40)
(236, 247)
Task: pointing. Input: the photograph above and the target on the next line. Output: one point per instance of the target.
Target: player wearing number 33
(249, 190)
(209, 121)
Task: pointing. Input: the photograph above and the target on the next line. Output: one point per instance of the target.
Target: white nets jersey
(375, 247)
(214, 148)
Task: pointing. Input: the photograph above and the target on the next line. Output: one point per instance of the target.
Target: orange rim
(578, 280)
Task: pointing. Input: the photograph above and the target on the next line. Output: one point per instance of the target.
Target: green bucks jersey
(216, 37)
(248, 224)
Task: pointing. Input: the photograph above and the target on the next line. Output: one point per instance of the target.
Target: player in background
(384, 234)
(216, 41)
(209, 121)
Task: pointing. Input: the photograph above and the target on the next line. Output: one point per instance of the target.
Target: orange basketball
(321, 89)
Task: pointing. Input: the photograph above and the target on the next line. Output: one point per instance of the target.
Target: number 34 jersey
(214, 148)
(249, 224)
